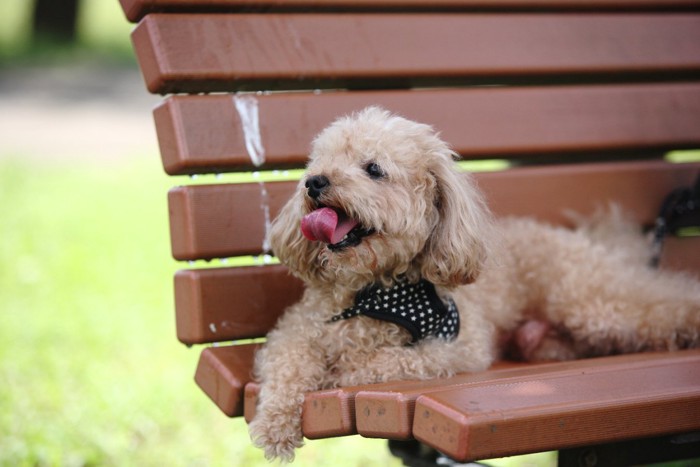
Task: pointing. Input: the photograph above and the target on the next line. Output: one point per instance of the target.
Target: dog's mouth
(333, 227)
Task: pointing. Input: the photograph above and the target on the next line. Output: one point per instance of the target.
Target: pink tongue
(326, 225)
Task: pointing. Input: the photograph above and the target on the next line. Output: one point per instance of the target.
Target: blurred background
(90, 370)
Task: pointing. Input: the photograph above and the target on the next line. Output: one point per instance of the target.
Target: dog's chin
(364, 260)
(351, 239)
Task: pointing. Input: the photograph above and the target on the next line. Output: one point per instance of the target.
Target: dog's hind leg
(620, 307)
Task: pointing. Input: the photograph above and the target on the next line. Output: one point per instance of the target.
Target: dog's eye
(374, 170)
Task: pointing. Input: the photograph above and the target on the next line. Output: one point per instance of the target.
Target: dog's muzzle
(327, 224)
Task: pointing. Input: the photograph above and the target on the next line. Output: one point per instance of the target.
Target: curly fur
(431, 222)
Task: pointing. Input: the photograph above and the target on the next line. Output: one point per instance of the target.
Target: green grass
(679, 157)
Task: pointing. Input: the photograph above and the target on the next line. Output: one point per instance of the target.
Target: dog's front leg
(473, 350)
(289, 365)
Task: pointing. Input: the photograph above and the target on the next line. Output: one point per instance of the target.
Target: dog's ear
(457, 247)
(287, 241)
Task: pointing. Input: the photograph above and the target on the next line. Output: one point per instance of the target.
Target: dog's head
(380, 199)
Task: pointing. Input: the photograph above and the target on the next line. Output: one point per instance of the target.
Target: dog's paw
(276, 438)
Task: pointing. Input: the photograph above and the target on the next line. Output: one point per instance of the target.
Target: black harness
(680, 210)
(415, 307)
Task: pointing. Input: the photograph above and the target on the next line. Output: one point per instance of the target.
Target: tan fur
(431, 222)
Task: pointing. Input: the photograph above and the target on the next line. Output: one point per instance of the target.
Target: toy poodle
(408, 276)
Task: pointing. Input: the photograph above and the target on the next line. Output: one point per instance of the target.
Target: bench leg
(624, 453)
(416, 454)
(634, 452)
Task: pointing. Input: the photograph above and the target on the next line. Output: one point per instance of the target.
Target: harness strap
(680, 209)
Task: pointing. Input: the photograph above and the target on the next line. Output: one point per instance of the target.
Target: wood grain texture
(209, 221)
(137, 9)
(388, 412)
(223, 372)
(614, 404)
(205, 134)
(224, 304)
(207, 53)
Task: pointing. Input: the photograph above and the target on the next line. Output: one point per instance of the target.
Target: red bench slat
(389, 412)
(224, 304)
(137, 9)
(223, 372)
(205, 219)
(215, 305)
(307, 51)
(200, 134)
(331, 412)
(334, 412)
(617, 403)
(214, 221)
(388, 409)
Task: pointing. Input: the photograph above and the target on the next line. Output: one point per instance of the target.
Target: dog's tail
(615, 229)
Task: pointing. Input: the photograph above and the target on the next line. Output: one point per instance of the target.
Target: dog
(408, 276)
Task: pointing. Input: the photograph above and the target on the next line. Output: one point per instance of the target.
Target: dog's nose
(316, 185)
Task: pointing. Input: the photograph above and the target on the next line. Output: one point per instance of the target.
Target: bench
(577, 102)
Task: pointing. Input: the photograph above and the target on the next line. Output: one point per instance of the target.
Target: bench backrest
(583, 98)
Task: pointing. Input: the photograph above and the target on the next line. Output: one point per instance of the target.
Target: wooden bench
(582, 98)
